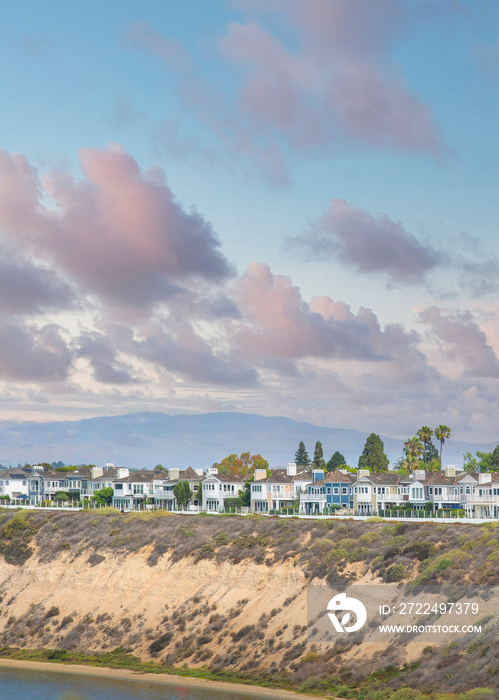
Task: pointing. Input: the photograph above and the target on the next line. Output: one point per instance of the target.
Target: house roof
(388, 478)
(337, 475)
(227, 478)
(13, 474)
(189, 474)
(280, 476)
(137, 477)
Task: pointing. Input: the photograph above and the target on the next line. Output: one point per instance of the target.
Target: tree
(301, 456)
(182, 492)
(485, 463)
(433, 465)
(159, 468)
(431, 453)
(104, 496)
(373, 456)
(61, 496)
(413, 449)
(336, 461)
(244, 465)
(425, 434)
(495, 458)
(470, 463)
(442, 433)
(318, 462)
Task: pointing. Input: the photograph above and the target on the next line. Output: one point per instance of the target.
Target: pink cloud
(118, 232)
(462, 341)
(280, 325)
(338, 81)
(371, 245)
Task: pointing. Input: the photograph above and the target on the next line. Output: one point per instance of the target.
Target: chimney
(450, 470)
(108, 466)
(291, 469)
(260, 474)
(343, 471)
(122, 472)
(484, 478)
(173, 473)
(362, 472)
(96, 472)
(317, 474)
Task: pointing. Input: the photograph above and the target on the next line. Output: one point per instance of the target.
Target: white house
(217, 488)
(14, 483)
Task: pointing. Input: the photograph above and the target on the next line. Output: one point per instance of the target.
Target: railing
(392, 497)
(164, 493)
(313, 498)
(443, 498)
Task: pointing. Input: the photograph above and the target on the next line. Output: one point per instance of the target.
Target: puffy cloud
(119, 233)
(462, 341)
(179, 349)
(33, 354)
(279, 325)
(102, 357)
(26, 288)
(372, 245)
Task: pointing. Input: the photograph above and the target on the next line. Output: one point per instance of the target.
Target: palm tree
(425, 434)
(442, 433)
(413, 449)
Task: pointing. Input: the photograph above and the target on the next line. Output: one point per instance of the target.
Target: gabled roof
(337, 475)
(227, 478)
(13, 474)
(137, 477)
(390, 479)
(280, 476)
(439, 479)
(189, 474)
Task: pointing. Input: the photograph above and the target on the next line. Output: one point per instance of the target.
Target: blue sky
(285, 208)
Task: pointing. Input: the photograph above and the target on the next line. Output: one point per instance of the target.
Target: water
(21, 684)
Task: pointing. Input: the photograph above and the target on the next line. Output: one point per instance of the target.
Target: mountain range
(149, 438)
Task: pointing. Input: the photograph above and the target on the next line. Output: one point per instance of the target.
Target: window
(344, 491)
(336, 490)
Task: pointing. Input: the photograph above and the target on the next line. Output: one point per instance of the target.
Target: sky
(281, 207)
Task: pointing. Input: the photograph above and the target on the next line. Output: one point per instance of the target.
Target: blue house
(331, 490)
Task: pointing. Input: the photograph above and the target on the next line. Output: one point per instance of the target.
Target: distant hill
(146, 439)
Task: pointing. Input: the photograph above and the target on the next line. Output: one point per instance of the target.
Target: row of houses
(477, 494)
(360, 493)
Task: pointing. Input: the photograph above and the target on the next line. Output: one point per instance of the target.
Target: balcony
(164, 493)
(478, 500)
(391, 497)
(444, 498)
(313, 498)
